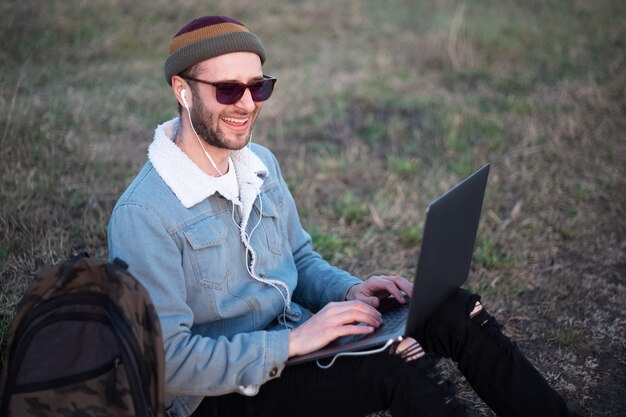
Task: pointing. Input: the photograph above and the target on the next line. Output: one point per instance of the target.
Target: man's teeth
(233, 120)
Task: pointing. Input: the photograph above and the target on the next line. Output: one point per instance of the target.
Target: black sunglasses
(230, 92)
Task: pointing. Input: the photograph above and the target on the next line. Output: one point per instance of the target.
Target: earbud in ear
(182, 95)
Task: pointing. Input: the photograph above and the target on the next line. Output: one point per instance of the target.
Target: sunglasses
(230, 92)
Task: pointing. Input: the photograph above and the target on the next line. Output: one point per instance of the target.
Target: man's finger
(352, 312)
(405, 285)
(391, 287)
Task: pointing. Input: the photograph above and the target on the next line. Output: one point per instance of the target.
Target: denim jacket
(225, 326)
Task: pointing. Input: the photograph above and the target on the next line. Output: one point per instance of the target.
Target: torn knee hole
(477, 308)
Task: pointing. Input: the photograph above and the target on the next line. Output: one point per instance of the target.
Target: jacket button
(273, 372)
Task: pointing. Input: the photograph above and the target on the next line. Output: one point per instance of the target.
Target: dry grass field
(380, 107)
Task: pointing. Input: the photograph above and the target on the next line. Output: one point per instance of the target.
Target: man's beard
(203, 120)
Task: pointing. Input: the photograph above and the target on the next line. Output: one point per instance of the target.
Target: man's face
(219, 125)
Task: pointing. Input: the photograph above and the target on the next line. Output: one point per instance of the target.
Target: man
(211, 230)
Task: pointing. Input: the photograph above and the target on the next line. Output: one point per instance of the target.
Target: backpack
(86, 341)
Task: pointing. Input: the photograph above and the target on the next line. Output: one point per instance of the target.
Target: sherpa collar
(190, 184)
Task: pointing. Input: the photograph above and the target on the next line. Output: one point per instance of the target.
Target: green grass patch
(485, 290)
(374, 128)
(328, 157)
(522, 105)
(78, 198)
(468, 132)
(489, 256)
(495, 291)
(567, 233)
(330, 246)
(469, 139)
(567, 337)
(412, 235)
(580, 192)
(351, 208)
(571, 211)
(404, 167)
(461, 165)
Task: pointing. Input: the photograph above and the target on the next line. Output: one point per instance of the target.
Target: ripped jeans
(358, 386)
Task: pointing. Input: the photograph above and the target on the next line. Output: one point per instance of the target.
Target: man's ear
(181, 91)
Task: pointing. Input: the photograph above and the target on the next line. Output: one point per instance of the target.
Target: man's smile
(235, 120)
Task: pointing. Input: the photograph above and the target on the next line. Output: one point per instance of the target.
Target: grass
(489, 256)
(380, 107)
(350, 209)
(329, 245)
(404, 167)
(412, 235)
(568, 337)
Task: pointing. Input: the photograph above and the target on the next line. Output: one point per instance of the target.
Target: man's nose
(246, 102)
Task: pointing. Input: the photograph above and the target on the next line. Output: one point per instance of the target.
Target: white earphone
(182, 95)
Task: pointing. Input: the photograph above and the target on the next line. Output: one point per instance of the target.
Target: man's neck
(192, 146)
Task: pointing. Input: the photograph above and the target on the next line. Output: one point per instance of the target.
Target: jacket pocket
(209, 253)
(271, 220)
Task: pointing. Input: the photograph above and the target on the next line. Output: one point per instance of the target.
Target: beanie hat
(207, 37)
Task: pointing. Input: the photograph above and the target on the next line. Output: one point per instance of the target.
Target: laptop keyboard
(394, 319)
(394, 313)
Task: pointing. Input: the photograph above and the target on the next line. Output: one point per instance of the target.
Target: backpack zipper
(68, 380)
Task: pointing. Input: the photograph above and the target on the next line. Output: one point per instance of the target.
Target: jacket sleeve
(318, 282)
(195, 365)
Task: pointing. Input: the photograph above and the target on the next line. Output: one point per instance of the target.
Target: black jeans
(357, 386)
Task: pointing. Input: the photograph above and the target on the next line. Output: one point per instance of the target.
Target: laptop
(444, 262)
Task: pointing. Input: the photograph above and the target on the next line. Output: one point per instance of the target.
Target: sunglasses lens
(229, 93)
(262, 90)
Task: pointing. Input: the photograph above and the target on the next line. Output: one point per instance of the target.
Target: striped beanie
(207, 37)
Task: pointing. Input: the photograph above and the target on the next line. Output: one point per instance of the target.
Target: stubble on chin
(203, 122)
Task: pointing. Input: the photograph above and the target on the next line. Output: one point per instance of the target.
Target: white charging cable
(361, 353)
(273, 283)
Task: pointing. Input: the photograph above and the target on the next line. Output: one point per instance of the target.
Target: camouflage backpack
(86, 341)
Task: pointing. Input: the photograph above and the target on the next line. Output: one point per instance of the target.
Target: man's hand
(333, 321)
(376, 288)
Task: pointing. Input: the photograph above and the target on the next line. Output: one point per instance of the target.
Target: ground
(379, 108)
